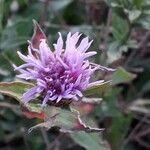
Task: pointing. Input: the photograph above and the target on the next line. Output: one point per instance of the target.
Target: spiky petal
(59, 75)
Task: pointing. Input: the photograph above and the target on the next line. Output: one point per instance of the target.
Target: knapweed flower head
(59, 75)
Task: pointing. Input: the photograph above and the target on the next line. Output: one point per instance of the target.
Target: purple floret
(59, 75)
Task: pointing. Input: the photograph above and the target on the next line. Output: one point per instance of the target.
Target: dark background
(121, 33)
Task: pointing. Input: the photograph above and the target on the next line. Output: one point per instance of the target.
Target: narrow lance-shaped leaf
(100, 88)
(14, 89)
(122, 76)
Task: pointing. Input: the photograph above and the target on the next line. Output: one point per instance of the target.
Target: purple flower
(59, 75)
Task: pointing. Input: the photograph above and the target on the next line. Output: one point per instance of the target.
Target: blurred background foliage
(121, 33)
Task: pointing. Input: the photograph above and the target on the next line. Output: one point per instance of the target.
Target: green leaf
(14, 42)
(72, 16)
(138, 3)
(119, 128)
(115, 50)
(15, 34)
(14, 89)
(1, 14)
(32, 107)
(59, 5)
(145, 88)
(122, 76)
(120, 28)
(4, 72)
(144, 19)
(67, 120)
(98, 88)
(90, 141)
(133, 15)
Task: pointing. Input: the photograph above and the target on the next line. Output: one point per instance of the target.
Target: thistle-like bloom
(59, 75)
